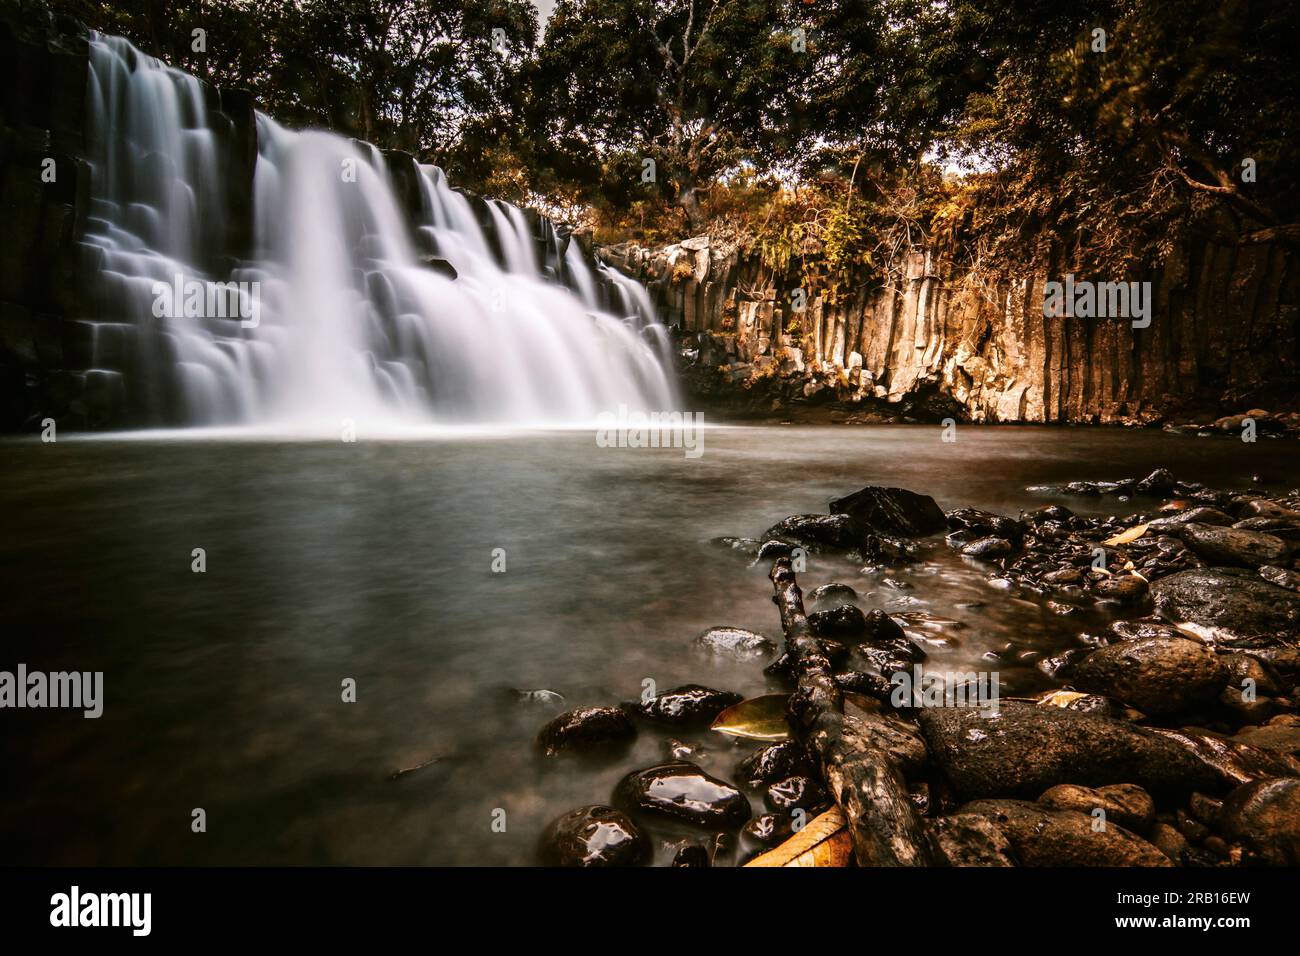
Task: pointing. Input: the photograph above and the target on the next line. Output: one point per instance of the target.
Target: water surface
(373, 561)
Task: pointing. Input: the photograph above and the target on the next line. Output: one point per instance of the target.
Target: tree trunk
(881, 818)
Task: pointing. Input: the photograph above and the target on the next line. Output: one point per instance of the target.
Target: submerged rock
(1157, 675)
(1026, 749)
(684, 792)
(735, 642)
(1228, 607)
(690, 705)
(891, 511)
(594, 836)
(1234, 546)
(1043, 837)
(587, 730)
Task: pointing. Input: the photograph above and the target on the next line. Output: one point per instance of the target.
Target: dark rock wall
(1224, 333)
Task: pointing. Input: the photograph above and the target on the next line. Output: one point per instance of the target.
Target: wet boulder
(987, 549)
(774, 762)
(594, 836)
(587, 730)
(768, 829)
(1228, 607)
(1044, 837)
(891, 511)
(683, 791)
(1157, 675)
(1124, 803)
(735, 642)
(1026, 749)
(1159, 483)
(1234, 546)
(981, 524)
(1173, 524)
(831, 595)
(968, 839)
(1282, 577)
(816, 533)
(690, 705)
(796, 793)
(845, 621)
(1265, 815)
(691, 855)
(1126, 590)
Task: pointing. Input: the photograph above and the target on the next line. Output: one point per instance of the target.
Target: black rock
(691, 855)
(690, 705)
(891, 511)
(771, 550)
(587, 730)
(774, 762)
(796, 793)
(831, 595)
(860, 682)
(982, 524)
(684, 792)
(768, 829)
(987, 549)
(845, 621)
(594, 836)
(1160, 483)
(1229, 608)
(816, 532)
(1056, 513)
(882, 629)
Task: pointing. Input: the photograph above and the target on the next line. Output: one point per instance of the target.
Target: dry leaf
(1124, 537)
(1059, 698)
(825, 841)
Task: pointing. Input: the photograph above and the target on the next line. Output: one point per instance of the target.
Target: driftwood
(884, 824)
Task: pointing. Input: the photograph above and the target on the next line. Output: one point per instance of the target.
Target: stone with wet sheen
(735, 642)
(1044, 837)
(587, 730)
(691, 705)
(685, 792)
(1157, 675)
(1229, 607)
(594, 836)
(891, 511)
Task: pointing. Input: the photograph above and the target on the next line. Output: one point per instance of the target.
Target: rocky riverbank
(1173, 737)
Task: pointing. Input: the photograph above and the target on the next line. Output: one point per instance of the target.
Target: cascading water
(339, 312)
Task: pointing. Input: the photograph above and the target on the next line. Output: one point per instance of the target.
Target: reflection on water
(373, 561)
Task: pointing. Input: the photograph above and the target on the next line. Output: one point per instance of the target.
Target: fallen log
(883, 823)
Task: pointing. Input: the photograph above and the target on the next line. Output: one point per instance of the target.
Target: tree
(696, 86)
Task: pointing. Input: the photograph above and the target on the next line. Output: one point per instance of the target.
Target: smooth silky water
(372, 560)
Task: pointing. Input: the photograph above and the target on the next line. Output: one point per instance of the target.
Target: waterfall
(348, 306)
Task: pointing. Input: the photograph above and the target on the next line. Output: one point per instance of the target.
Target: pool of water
(374, 561)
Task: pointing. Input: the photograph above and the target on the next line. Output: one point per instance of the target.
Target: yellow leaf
(759, 718)
(825, 841)
(1124, 537)
(1059, 698)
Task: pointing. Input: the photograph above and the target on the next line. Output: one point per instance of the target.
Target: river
(374, 561)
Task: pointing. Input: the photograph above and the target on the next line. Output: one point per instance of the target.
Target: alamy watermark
(202, 299)
(77, 690)
(928, 688)
(626, 429)
(1101, 300)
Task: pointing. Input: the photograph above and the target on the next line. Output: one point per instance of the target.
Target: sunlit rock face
(981, 339)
